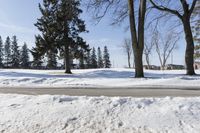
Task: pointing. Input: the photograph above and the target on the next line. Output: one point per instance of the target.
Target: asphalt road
(123, 92)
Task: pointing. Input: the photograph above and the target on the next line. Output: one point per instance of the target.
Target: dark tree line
(95, 59)
(12, 56)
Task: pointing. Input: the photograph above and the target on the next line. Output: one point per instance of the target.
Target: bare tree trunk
(164, 64)
(189, 53)
(137, 41)
(129, 62)
(147, 60)
(67, 61)
(138, 64)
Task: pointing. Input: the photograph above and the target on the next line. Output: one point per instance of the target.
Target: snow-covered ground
(64, 114)
(117, 77)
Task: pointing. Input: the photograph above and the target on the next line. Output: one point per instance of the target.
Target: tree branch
(162, 8)
(193, 6)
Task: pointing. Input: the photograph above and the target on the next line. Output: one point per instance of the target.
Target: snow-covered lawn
(117, 77)
(64, 114)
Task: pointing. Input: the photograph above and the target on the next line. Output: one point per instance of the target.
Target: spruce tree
(88, 59)
(100, 59)
(37, 61)
(106, 58)
(81, 60)
(60, 25)
(38, 53)
(24, 57)
(7, 52)
(15, 53)
(51, 60)
(1, 53)
(93, 59)
(46, 41)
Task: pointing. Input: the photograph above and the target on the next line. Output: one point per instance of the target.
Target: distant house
(75, 66)
(197, 65)
(151, 67)
(174, 67)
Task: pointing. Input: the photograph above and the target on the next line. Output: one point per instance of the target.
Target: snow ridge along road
(65, 114)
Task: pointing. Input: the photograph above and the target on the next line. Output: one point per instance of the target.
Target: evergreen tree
(51, 60)
(37, 53)
(81, 60)
(93, 59)
(15, 53)
(106, 58)
(46, 41)
(100, 59)
(7, 52)
(1, 53)
(25, 57)
(88, 59)
(60, 26)
(37, 62)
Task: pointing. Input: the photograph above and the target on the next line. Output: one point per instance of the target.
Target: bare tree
(137, 35)
(121, 10)
(164, 45)
(148, 47)
(183, 12)
(127, 47)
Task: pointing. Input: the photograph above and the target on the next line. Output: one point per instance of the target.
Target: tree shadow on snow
(99, 74)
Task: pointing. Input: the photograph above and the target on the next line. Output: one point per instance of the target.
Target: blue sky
(18, 16)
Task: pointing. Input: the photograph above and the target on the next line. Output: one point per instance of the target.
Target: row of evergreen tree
(61, 26)
(12, 56)
(93, 59)
(89, 59)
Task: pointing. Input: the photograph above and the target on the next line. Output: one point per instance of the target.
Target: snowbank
(95, 78)
(61, 114)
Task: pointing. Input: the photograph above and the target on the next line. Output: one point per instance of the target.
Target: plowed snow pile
(64, 114)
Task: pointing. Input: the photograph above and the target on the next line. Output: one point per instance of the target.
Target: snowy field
(96, 78)
(64, 114)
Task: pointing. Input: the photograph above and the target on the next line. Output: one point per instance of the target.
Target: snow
(115, 77)
(61, 114)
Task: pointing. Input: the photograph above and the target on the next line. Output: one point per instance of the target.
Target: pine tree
(93, 59)
(7, 52)
(60, 25)
(81, 60)
(46, 41)
(106, 58)
(24, 57)
(1, 53)
(15, 53)
(88, 60)
(51, 60)
(100, 59)
(37, 62)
